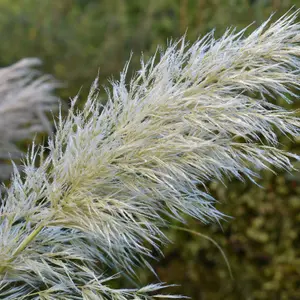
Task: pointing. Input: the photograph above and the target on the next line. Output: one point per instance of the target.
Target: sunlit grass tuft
(115, 172)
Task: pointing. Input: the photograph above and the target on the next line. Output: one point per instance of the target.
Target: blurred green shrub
(76, 38)
(261, 242)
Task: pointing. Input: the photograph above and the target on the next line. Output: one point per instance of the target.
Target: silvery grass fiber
(25, 96)
(114, 173)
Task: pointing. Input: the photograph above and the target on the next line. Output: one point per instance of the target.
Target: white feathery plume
(114, 172)
(25, 97)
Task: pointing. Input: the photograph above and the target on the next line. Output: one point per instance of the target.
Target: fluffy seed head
(114, 173)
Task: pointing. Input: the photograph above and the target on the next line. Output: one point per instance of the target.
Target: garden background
(76, 39)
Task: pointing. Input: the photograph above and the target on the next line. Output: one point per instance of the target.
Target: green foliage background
(78, 38)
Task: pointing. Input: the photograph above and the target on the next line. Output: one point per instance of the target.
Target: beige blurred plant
(114, 173)
(25, 98)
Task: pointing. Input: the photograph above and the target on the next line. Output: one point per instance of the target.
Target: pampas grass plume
(25, 97)
(192, 113)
